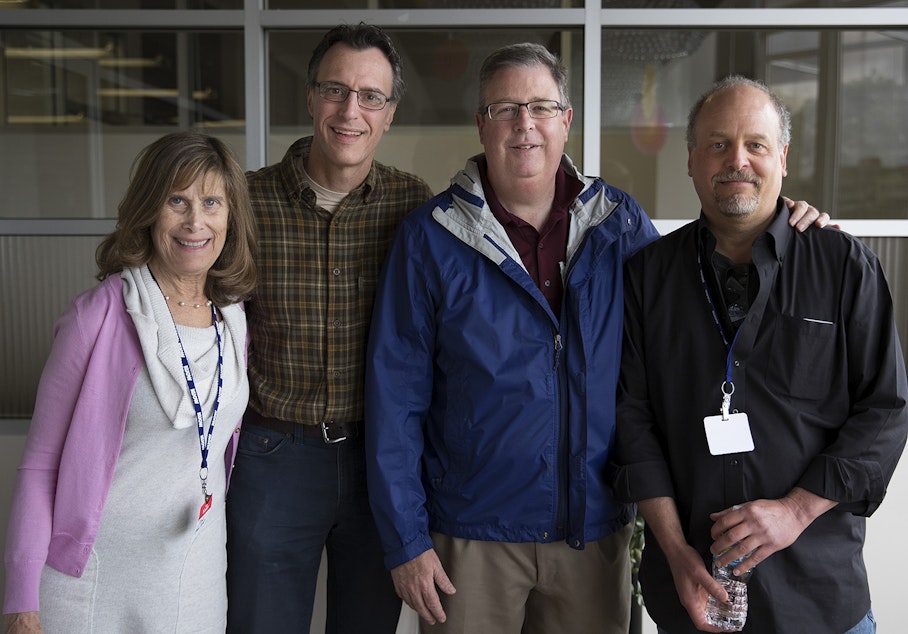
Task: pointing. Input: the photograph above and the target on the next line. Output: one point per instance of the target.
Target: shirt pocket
(803, 355)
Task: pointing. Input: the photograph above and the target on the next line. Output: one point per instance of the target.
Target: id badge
(730, 435)
(206, 506)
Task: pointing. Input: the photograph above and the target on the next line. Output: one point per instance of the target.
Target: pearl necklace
(182, 303)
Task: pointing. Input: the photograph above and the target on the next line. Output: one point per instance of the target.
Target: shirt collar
(292, 172)
(567, 188)
(777, 235)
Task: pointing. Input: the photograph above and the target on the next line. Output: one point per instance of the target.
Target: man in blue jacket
(492, 368)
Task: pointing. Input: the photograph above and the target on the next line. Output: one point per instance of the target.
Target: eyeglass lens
(505, 110)
(368, 99)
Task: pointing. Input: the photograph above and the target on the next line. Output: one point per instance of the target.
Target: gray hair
(523, 55)
(734, 81)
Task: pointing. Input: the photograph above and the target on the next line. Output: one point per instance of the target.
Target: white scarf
(146, 305)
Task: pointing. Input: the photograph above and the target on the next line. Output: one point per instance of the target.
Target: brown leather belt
(329, 431)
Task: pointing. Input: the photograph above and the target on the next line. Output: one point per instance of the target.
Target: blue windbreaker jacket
(488, 417)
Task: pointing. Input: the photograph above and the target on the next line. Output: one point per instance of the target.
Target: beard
(738, 205)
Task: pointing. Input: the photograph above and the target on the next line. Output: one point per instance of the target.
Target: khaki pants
(532, 588)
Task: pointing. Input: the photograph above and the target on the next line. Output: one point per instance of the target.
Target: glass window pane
(893, 255)
(847, 91)
(79, 105)
(873, 125)
(650, 78)
(434, 129)
(58, 268)
(749, 4)
(424, 4)
(121, 4)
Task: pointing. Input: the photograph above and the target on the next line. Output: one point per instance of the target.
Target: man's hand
(763, 527)
(22, 623)
(415, 583)
(802, 215)
(694, 583)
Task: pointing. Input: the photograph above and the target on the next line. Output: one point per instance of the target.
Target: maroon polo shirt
(542, 252)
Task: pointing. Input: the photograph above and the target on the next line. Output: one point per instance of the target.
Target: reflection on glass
(121, 4)
(873, 132)
(434, 129)
(78, 105)
(423, 4)
(650, 78)
(847, 91)
(749, 4)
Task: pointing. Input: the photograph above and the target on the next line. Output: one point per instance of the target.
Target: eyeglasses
(338, 93)
(508, 110)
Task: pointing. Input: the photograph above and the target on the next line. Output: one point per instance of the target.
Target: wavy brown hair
(170, 164)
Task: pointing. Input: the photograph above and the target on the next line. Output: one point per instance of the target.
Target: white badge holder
(728, 433)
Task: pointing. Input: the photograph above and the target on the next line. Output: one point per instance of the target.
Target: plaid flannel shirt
(309, 318)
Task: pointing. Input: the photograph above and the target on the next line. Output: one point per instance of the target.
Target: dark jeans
(867, 625)
(290, 497)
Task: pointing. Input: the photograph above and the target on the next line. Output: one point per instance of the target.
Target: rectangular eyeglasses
(508, 110)
(338, 93)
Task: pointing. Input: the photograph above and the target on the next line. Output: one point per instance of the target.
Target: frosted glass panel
(38, 276)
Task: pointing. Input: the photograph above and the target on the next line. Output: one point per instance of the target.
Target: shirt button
(336, 271)
(733, 462)
(548, 282)
(336, 374)
(545, 536)
(337, 323)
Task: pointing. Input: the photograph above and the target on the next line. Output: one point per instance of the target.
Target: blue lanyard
(204, 436)
(728, 386)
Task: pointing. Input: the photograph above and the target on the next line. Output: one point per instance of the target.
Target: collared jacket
(74, 442)
(488, 416)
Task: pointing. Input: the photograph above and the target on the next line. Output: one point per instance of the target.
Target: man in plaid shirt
(326, 215)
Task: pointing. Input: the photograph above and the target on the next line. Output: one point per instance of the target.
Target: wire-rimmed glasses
(509, 110)
(338, 93)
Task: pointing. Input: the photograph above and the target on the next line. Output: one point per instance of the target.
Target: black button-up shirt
(818, 369)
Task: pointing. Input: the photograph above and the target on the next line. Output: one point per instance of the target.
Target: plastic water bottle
(729, 615)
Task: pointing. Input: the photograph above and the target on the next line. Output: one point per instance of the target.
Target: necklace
(182, 303)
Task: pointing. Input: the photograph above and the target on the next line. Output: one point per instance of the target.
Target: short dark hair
(360, 37)
(734, 81)
(170, 164)
(524, 55)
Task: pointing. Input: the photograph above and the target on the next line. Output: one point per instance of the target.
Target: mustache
(737, 175)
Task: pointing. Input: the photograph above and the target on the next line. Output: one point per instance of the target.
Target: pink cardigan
(74, 441)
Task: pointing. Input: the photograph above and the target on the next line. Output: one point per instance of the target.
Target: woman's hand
(22, 623)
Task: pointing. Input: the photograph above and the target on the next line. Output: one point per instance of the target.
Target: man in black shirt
(762, 401)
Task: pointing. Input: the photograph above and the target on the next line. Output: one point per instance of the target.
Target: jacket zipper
(561, 520)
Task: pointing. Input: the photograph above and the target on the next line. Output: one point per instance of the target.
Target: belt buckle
(329, 440)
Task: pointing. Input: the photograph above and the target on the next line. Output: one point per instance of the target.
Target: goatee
(737, 205)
